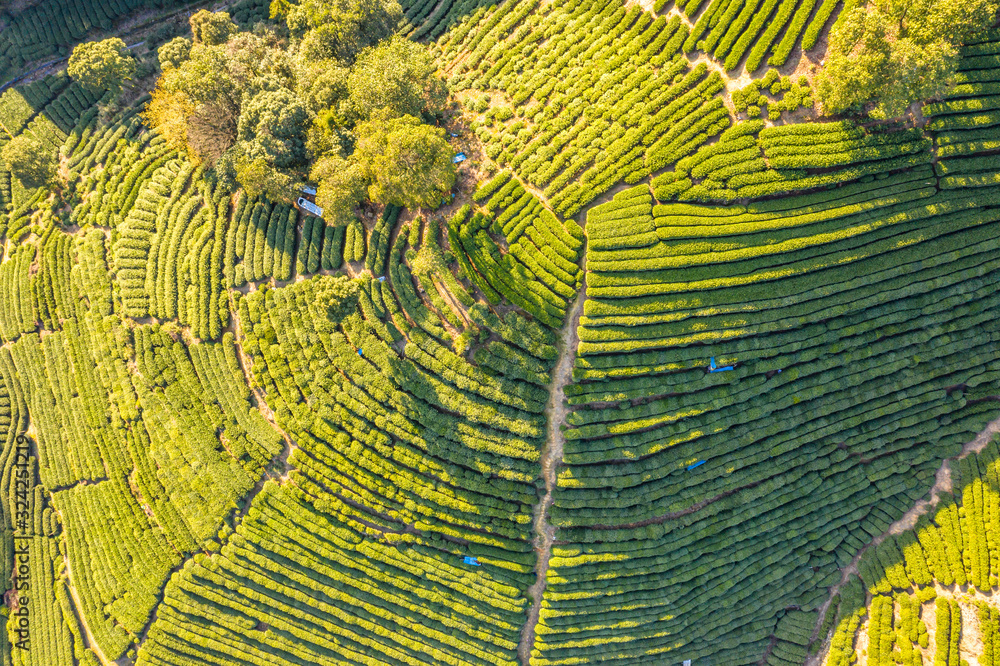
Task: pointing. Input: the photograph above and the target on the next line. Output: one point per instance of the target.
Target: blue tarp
(471, 560)
(714, 368)
(359, 353)
(459, 157)
(697, 464)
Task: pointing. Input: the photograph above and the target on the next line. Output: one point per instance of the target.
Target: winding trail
(87, 636)
(942, 485)
(552, 454)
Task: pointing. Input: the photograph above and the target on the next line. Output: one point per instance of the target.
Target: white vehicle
(309, 207)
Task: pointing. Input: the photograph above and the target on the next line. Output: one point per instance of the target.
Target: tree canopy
(211, 28)
(331, 297)
(174, 52)
(264, 113)
(340, 29)
(397, 75)
(100, 66)
(894, 52)
(405, 162)
(30, 161)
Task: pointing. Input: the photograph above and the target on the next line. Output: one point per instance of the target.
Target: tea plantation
(681, 370)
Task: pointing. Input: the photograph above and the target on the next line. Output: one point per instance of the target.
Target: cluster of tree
(97, 66)
(338, 100)
(894, 52)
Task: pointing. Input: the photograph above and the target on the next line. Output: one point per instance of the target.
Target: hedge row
(707, 504)
(631, 107)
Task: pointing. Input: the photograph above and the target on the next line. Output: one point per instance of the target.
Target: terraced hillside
(664, 381)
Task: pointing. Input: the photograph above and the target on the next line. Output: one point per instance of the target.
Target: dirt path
(552, 454)
(81, 619)
(942, 485)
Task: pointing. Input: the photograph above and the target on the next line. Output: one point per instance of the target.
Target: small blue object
(359, 353)
(459, 157)
(697, 464)
(382, 279)
(471, 560)
(453, 135)
(714, 368)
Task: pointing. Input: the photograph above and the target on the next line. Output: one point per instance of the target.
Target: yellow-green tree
(100, 66)
(30, 161)
(406, 163)
(894, 52)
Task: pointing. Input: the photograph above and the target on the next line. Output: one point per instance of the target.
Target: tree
(30, 161)
(341, 185)
(338, 294)
(397, 75)
(324, 84)
(332, 298)
(894, 52)
(174, 52)
(197, 104)
(211, 28)
(273, 125)
(405, 162)
(168, 111)
(104, 65)
(258, 178)
(280, 8)
(269, 155)
(339, 29)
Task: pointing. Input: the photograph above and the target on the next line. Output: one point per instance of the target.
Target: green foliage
(405, 162)
(100, 66)
(396, 77)
(341, 186)
(270, 152)
(30, 161)
(342, 28)
(174, 52)
(336, 296)
(211, 28)
(894, 53)
(751, 101)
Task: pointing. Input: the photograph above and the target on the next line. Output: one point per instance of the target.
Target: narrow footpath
(87, 636)
(942, 485)
(552, 454)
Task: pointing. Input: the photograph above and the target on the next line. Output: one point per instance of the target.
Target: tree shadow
(426, 20)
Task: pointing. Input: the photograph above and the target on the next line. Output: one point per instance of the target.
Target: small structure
(309, 191)
(309, 207)
(687, 662)
(459, 157)
(381, 278)
(697, 464)
(712, 367)
(471, 560)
